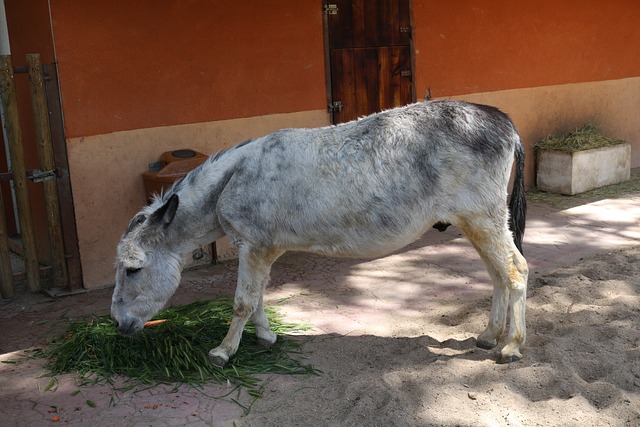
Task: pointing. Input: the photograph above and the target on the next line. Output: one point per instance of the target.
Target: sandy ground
(394, 339)
(581, 366)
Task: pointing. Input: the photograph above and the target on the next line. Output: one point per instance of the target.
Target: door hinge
(330, 9)
(405, 73)
(335, 107)
(406, 29)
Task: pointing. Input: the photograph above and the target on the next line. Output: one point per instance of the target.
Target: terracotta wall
(465, 47)
(138, 64)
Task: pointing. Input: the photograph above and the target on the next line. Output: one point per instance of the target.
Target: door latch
(38, 175)
(335, 107)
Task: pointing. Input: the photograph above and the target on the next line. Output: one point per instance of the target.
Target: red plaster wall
(136, 64)
(465, 47)
(29, 29)
(129, 65)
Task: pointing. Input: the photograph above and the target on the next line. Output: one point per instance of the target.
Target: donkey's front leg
(253, 275)
(266, 337)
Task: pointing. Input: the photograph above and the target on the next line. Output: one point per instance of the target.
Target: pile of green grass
(586, 138)
(174, 351)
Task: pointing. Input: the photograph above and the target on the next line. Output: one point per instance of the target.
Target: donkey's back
(371, 186)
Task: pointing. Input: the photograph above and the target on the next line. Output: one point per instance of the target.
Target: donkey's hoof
(509, 356)
(267, 341)
(487, 339)
(218, 357)
(486, 344)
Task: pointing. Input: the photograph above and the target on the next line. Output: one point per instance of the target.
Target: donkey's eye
(132, 271)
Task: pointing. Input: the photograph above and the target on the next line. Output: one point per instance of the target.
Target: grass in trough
(174, 351)
(586, 138)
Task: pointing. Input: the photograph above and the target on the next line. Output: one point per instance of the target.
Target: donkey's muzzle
(127, 326)
(126, 323)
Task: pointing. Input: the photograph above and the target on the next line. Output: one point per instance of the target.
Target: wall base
(538, 112)
(106, 177)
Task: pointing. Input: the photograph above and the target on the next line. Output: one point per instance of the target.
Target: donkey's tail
(518, 203)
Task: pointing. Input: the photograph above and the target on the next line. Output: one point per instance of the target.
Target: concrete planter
(576, 172)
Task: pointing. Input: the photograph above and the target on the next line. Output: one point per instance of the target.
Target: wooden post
(67, 213)
(45, 157)
(7, 289)
(14, 140)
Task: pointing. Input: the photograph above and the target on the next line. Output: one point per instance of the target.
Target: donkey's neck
(196, 220)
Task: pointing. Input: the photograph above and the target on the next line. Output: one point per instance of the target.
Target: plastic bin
(172, 166)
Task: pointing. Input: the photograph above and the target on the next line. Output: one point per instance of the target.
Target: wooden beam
(45, 157)
(7, 289)
(14, 140)
(67, 213)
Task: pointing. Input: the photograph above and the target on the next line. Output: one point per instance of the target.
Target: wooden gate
(370, 56)
(62, 267)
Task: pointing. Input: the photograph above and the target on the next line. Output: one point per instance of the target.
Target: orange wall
(465, 47)
(137, 64)
(29, 29)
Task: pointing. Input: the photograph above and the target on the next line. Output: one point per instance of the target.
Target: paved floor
(334, 296)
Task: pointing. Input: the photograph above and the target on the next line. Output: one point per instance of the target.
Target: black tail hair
(518, 203)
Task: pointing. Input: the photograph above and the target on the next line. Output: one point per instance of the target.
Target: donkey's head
(147, 270)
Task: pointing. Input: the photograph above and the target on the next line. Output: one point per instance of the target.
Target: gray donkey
(359, 189)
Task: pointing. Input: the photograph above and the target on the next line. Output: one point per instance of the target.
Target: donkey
(361, 189)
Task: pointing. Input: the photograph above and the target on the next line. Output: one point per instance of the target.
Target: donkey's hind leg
(509, 273)
(253, 275)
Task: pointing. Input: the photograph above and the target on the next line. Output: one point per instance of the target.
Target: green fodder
(174, 351)
(586, 138)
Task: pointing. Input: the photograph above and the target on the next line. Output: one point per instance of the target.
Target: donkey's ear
(165, 213)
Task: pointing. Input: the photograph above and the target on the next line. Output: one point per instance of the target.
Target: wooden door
(369, 43)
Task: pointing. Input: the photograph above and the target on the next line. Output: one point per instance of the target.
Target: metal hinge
(37, 175)
(335, 107)
(406, 29)
(405, 73)
(330, 9)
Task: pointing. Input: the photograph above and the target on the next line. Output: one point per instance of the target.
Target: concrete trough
(571, 173)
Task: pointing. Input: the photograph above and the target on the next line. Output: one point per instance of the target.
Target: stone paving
(334, 296)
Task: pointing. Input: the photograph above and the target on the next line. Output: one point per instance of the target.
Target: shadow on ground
(394, 337)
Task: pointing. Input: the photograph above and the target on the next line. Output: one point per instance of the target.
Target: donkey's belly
(355, 243)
